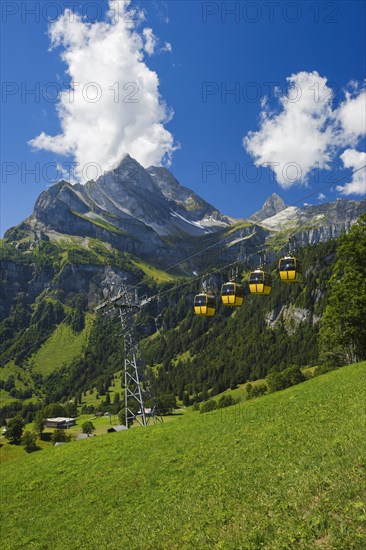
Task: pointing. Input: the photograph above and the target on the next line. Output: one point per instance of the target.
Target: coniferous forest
(317, 322)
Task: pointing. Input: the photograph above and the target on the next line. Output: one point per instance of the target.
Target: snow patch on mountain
(289, 216)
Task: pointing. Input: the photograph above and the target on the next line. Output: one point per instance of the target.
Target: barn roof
(119, 428)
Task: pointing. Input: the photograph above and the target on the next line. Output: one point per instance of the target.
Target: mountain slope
(82, 241)
(314, 223)
(279, 472)
(131, 208)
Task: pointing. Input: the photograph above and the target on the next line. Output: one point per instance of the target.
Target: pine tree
(343, 327)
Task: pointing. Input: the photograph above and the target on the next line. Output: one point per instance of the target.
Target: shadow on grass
(33, 450)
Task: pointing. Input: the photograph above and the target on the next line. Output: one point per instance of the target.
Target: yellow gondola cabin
(205, 304)
(232, 294)
(289, 269)
(260, 282)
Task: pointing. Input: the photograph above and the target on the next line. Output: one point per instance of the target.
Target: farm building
(60, 422)
(119, 428)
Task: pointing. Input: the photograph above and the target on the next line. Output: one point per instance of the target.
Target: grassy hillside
(280, 472)
(152, 272)
(62, 347)
(265, 334)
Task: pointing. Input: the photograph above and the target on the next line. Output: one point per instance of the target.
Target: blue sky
(199, 52)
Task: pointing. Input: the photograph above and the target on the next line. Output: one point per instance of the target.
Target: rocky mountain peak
(128, 173)
(272, 206)
(274, 201)
(133, 209)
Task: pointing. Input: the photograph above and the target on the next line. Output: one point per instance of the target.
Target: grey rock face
(149, 215)
(133, 209)
(290, 316)
(328, 221)
(273, 204)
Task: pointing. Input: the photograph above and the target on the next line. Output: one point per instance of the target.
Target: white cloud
(354, 159)
(307, 133)
(150, 41)
(113, 106)
(299, 136)
(321, 197)
(351, 116)
(167, 47)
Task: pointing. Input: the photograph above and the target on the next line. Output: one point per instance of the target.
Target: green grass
(154, 273)
(5, 398)
(285, 471)
(241, 390)
(9, 452)
(22, 380)
(101, 222)
(238, 225)
(62, 347)
(91, 398)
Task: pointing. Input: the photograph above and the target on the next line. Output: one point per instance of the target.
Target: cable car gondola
(290, 269)
(260, 282)
(204, 304)
(232, 294)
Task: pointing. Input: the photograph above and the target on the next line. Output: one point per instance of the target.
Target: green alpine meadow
(183, 275)
(139, 411)
(173, 429)
(283, 471)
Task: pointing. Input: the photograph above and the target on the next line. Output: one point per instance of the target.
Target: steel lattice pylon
(137, 388)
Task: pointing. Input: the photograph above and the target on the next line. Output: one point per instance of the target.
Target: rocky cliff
(85, 238)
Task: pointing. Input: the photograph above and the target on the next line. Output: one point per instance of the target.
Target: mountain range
(141, 226)
(147, 213)
(133, 220)
(133, 209)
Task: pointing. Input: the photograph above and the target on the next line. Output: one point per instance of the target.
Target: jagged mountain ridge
(135, 210)
(309, 224)
(130, 197)
(148, 215)
(143, 211)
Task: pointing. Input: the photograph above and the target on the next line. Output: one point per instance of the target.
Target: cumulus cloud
(354, 159)
(307, 132)
(351, 116)
(298, 138)
(150, 41)
(321, 197)
(113, 106)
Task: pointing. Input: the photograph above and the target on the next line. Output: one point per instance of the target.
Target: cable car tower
(136, 386)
